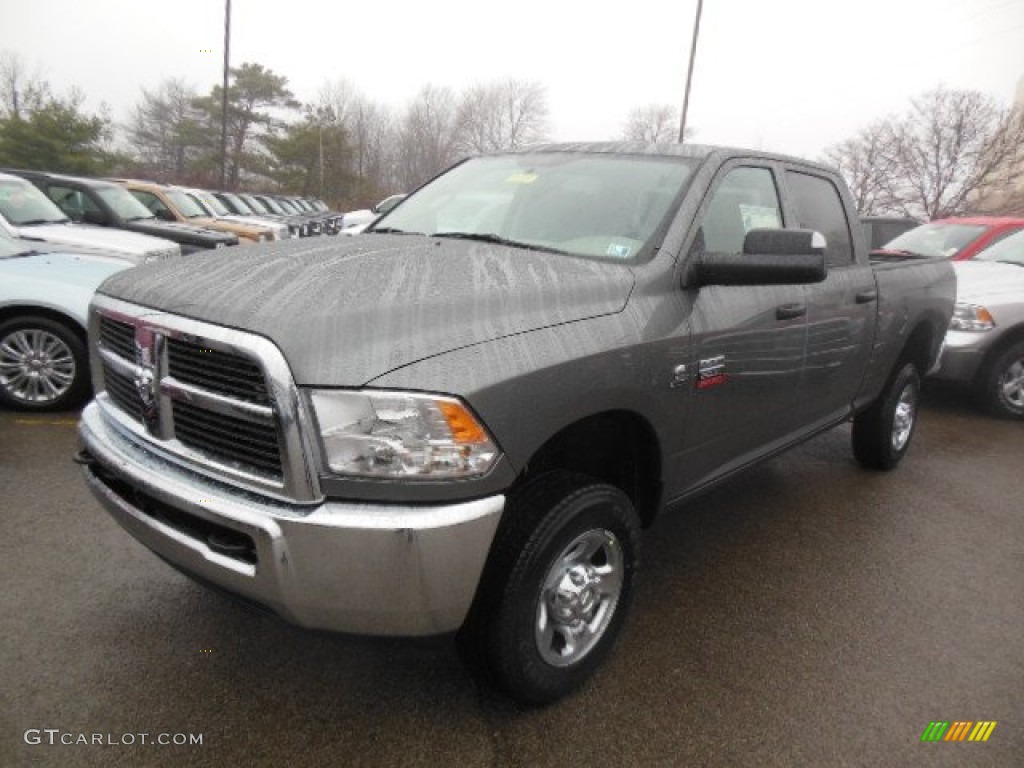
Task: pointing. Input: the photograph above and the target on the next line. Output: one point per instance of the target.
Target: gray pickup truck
(461, 419)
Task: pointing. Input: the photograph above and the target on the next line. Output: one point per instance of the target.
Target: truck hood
(344, 313)
(989, 281)
(112, 241)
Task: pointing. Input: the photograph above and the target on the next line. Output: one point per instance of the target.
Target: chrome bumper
(343, 566)
(961, 356)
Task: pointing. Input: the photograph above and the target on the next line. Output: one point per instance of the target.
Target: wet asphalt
(810, 613)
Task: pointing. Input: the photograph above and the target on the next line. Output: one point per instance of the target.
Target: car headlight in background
(970, 317)
(402, 435)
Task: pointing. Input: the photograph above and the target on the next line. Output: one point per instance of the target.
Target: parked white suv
(27, 213)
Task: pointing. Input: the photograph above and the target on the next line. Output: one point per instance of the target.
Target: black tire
(882, 433)
(1001, 384)
(501, 641)
(63, 373)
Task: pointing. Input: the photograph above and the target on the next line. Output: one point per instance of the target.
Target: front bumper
(961, 355)
(354, 567)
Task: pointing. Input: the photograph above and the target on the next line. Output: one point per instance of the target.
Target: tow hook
(84, 458)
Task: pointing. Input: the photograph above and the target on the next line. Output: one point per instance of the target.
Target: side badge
(711, 372)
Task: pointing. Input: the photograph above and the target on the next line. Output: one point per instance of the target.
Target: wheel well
(920, 347)
(23, 310)
(1009, 338)
(617, 447)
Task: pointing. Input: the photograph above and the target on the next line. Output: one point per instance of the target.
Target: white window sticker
(618, 251)
(759, 217)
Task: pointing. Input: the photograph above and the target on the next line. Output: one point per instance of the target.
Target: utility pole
(689, 71)
(224, 97)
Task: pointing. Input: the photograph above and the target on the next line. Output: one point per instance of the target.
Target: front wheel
(556, 588)
(882, 433)
(1002, 384)
(43, 365)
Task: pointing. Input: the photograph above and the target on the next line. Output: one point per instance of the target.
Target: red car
(957, 239)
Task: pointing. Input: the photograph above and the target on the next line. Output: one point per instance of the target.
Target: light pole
(689, 72)
(224, 97)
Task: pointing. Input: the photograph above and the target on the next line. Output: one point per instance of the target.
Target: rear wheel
(1002, 384)
(43, 364)
(556, 589)
(882, 433)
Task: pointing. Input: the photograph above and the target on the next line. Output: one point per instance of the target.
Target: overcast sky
(786, 75)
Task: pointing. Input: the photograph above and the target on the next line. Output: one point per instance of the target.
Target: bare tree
(948, 144)
(427, 139)
(502, 115)
(166, 131)
(654, 123)
(370, 128)
(932, 161)
(868, 163)
(21, 91)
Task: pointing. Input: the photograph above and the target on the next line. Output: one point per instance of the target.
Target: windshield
(586, 204)
(1009, 250)
(235, 203)
(24, 205)
(124, 203)
(287, 206)
(254, 204)
(271, 205)
(940, 240)
(213, 204)
(186, 206)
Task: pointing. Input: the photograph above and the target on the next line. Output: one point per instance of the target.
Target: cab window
(745, 199)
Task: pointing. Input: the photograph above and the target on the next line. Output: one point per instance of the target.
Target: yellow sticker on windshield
(522, 178)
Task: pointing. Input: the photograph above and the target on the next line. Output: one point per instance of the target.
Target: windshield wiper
(140, 218)
(33, 222)
(391, 231)
(20, 254)
(490, 237)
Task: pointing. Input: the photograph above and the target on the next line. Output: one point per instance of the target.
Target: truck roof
(695, 151)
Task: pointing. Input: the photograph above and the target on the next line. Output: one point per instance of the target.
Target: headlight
(969, 317)
(403, 435)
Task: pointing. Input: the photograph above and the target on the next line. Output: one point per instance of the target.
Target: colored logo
(959, 730)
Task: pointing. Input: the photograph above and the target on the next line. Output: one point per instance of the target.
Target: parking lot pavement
(808, 614)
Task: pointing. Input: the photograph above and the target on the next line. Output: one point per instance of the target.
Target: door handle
(789, 311)
(866, 297)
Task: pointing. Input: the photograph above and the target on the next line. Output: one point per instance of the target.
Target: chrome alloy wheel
(904, 416)
(1011, 384)
(578, 597)
(36, 366)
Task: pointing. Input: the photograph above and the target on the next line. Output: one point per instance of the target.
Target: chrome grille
(192, 396)
(225, 374)
(228, 439)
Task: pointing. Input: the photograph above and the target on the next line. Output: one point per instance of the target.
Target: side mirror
(770, 257)
(164, 214)
(94, 217)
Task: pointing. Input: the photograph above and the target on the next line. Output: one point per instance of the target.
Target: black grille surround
(228, 438)
(241, 442)
(118, 337)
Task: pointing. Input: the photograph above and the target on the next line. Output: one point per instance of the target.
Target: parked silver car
(44, 302)
(984, 346)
